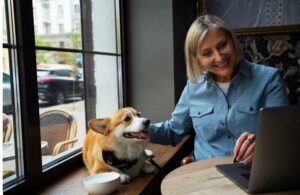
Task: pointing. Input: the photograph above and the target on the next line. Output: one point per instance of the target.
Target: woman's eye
(127, 118)
(206, 54)
(222, 45)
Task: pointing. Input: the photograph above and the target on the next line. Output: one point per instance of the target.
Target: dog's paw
(125, 178)
(149, 168)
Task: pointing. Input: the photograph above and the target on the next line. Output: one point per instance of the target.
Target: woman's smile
(222, 64)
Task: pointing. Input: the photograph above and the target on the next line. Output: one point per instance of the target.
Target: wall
(155, 32)
(149, 45)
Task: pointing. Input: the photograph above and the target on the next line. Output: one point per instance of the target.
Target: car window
(54, 73)
(62, 73)
(6, 78)
(42, 73)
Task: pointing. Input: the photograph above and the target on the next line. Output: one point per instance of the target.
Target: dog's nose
(146, 123)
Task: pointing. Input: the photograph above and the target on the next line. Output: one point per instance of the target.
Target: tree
(41, 56)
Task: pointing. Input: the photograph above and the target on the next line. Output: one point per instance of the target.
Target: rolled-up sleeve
(275, 94)
(172, 130)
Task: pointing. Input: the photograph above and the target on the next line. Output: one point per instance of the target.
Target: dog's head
(125, 123)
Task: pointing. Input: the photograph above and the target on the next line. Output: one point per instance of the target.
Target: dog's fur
(117, 144)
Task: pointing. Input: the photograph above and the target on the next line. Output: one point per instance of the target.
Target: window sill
(167, 157)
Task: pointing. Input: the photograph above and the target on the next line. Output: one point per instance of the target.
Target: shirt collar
(245, 68)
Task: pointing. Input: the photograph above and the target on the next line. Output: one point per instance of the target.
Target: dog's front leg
(125, 178)
(149, 168)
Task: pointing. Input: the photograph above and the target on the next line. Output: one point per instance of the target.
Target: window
(13, 165)
(47, 28)
(61, 44)
(76, 9)
(60, 11)
(61, 28)
(45, 10)
(54, 66)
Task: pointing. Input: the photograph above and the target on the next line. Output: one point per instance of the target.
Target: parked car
(7, 94)
(59, 83)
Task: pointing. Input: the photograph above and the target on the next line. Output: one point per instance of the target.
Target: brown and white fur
(123, 135)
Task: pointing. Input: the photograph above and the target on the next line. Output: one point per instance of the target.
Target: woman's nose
(218, 56)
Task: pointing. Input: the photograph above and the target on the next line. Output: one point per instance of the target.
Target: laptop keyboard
(245, 171)
(246, 175)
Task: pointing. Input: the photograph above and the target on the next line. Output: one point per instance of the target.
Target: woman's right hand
(244, 148)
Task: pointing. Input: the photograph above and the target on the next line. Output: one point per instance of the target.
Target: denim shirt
(218, 120)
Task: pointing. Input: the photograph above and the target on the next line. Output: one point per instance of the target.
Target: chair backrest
(7, 128)
(57, 126)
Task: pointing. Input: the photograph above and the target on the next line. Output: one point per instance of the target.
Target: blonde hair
(194, 38)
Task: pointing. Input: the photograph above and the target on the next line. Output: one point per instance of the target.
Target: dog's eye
(139, 114)
(127, 118)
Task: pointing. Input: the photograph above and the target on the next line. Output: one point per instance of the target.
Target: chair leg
(187, 159)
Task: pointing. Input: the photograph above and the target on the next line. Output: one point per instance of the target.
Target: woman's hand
(244, 148)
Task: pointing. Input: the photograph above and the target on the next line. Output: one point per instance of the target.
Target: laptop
(276, 160)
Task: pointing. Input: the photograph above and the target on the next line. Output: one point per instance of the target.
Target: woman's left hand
(244, 148)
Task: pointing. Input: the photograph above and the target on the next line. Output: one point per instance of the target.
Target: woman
(222, 97)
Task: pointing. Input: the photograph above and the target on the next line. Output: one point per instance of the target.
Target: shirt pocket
(247, 115)
(251, 109)
(201, 111)
(203, 122)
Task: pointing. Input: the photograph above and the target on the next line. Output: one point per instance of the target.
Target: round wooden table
(201, 177)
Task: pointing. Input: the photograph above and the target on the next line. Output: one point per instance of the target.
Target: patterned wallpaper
(277, 50)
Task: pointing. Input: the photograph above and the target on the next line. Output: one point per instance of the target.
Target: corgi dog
(117, 143)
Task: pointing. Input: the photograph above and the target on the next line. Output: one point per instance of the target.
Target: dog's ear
(99, 125)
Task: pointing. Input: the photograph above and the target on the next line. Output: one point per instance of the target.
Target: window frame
(34, 175)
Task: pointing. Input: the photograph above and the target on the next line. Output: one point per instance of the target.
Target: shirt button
(199, 113)
(229, 106)
(222, 123)
(251, 109)
(229, 136)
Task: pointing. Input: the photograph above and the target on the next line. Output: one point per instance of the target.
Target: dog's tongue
(143, 134)
(139, 135)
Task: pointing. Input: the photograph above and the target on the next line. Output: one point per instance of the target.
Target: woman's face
(217, 54)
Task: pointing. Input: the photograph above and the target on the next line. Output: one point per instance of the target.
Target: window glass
(105, 72)
(60, 88)
(104, 26)
(7, 85)
(12, 150)
(4, 28)
(9, 148)
(56, 22)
